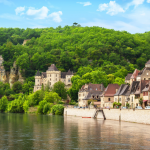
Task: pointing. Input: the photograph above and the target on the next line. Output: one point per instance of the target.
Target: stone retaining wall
(130, 115)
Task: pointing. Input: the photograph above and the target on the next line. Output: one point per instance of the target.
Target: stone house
(107, 98)
(88, 92)
(51, 76)
(120, 94)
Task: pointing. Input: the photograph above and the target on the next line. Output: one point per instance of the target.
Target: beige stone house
(88, 92)
(120, 94)
(107, 98)
(51, 76)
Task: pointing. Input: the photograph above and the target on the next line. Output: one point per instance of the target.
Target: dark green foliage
(17, 87)
(57, 109)
(59, 88)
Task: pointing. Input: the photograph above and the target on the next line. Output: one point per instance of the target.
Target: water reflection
(23, 131)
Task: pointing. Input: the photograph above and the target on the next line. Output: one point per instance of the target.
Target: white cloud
(56, 16)
(19, 10)
(38, 13)
(148, 1)
(85, 3)
(6, 2)
(135, 3)
(112, 8)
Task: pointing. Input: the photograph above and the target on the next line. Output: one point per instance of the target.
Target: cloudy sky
(129, 15)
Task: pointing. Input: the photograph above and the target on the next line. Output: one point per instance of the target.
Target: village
(128, 95)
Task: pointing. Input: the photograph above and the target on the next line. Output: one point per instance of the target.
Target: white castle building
(51, 76)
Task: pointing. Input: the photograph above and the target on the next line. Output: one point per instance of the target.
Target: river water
(43, 132)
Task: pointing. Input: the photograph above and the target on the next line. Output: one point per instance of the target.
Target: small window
(50, 83)
(68, 80)
(56, 75)
(119, 99)
(50, 79)
(108, 99)
(148, 78)
(56, 79)
(50, 75)
(144, 79)
(97, 96)
(96, 89)
(38, 80)
(93, 96)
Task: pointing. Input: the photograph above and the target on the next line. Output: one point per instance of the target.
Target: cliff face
(12, 76)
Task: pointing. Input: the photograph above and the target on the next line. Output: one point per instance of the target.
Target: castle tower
(38, 81)
(53, 75)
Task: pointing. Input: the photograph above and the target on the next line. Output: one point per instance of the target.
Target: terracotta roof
(135, 74)
(111, 89)
(148, 62)
(128, 76)
(38, 73)
(52, 68)
(69, 72)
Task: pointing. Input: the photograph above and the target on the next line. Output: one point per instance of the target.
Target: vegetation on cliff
(97, 55)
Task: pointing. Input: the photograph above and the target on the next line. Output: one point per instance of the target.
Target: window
(50, 83)
(38, 80)
(93, 96)
(37, 87)
(50, 79)
(56, 75)
(96, 89)
(115, 99)
(119, 99)
(50, 75)
(148, 78)
(132, 98)
(97, 96)
(79, 95)
(83, 94)
(108, 99)
(144, 79)
(56, 79)
(68, 80)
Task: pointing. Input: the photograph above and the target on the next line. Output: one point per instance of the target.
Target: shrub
(72, 102)
(47, 108)
(26, 106)
(3, 103)
(61, 102)
(41, 106)
(57, 109)
(17, 87)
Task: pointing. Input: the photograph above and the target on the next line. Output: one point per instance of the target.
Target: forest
(94, 54)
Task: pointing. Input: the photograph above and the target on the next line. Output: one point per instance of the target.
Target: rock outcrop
(12, 76)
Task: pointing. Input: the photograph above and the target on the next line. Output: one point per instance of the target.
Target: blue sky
(129, 15)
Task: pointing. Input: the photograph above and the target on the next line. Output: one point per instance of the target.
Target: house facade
(51, 76)
(107, 98)
(88, 92)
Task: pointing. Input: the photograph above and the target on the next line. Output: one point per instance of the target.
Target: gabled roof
(135, 74)
(122, 90)
(52, 68)
(92, 87)
(148, 62)
(128, 76)
(141, 86)
(69, 72)
(93, 93)
(38, 73)
(133, 88)
(111, 89)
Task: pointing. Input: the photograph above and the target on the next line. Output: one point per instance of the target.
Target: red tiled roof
(135, 74)
(111, 89)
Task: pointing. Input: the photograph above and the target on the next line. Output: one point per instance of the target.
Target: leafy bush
(57, 109)
(52, 97)
(44, 107)
(26, 106)
(16, 106)
(3, 103)
(61, 102)
(17, 87)
(72, 103)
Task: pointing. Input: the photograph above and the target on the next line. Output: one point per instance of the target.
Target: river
(43, 132)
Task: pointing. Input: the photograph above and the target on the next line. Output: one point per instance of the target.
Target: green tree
(59, 88)
(17, 87)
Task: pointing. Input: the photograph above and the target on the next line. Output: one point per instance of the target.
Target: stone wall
(130, 115)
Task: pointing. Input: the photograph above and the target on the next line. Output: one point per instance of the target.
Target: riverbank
(129, 115)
